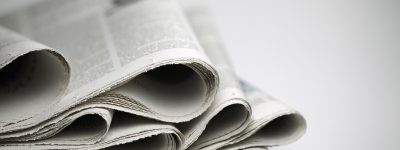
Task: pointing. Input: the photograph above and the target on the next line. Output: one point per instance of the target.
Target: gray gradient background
(337, 61)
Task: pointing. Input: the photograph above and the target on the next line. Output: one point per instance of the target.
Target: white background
(338, 62)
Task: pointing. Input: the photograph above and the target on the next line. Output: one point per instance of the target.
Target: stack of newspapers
(143, 74)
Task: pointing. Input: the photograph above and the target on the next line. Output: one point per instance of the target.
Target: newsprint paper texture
(143, 74)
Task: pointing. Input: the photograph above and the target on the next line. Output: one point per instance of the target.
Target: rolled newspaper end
(160, 91)
(32, 77)
(273, 122)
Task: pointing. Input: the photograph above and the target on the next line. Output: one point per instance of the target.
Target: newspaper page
(143, 45)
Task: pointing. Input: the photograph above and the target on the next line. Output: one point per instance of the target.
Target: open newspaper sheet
(91, 74)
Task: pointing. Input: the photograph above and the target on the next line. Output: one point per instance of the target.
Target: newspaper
(152, 66)
(93, 74)
(271, 123)
(230, 106)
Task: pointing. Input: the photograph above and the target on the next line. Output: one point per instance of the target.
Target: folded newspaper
(143, 74)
